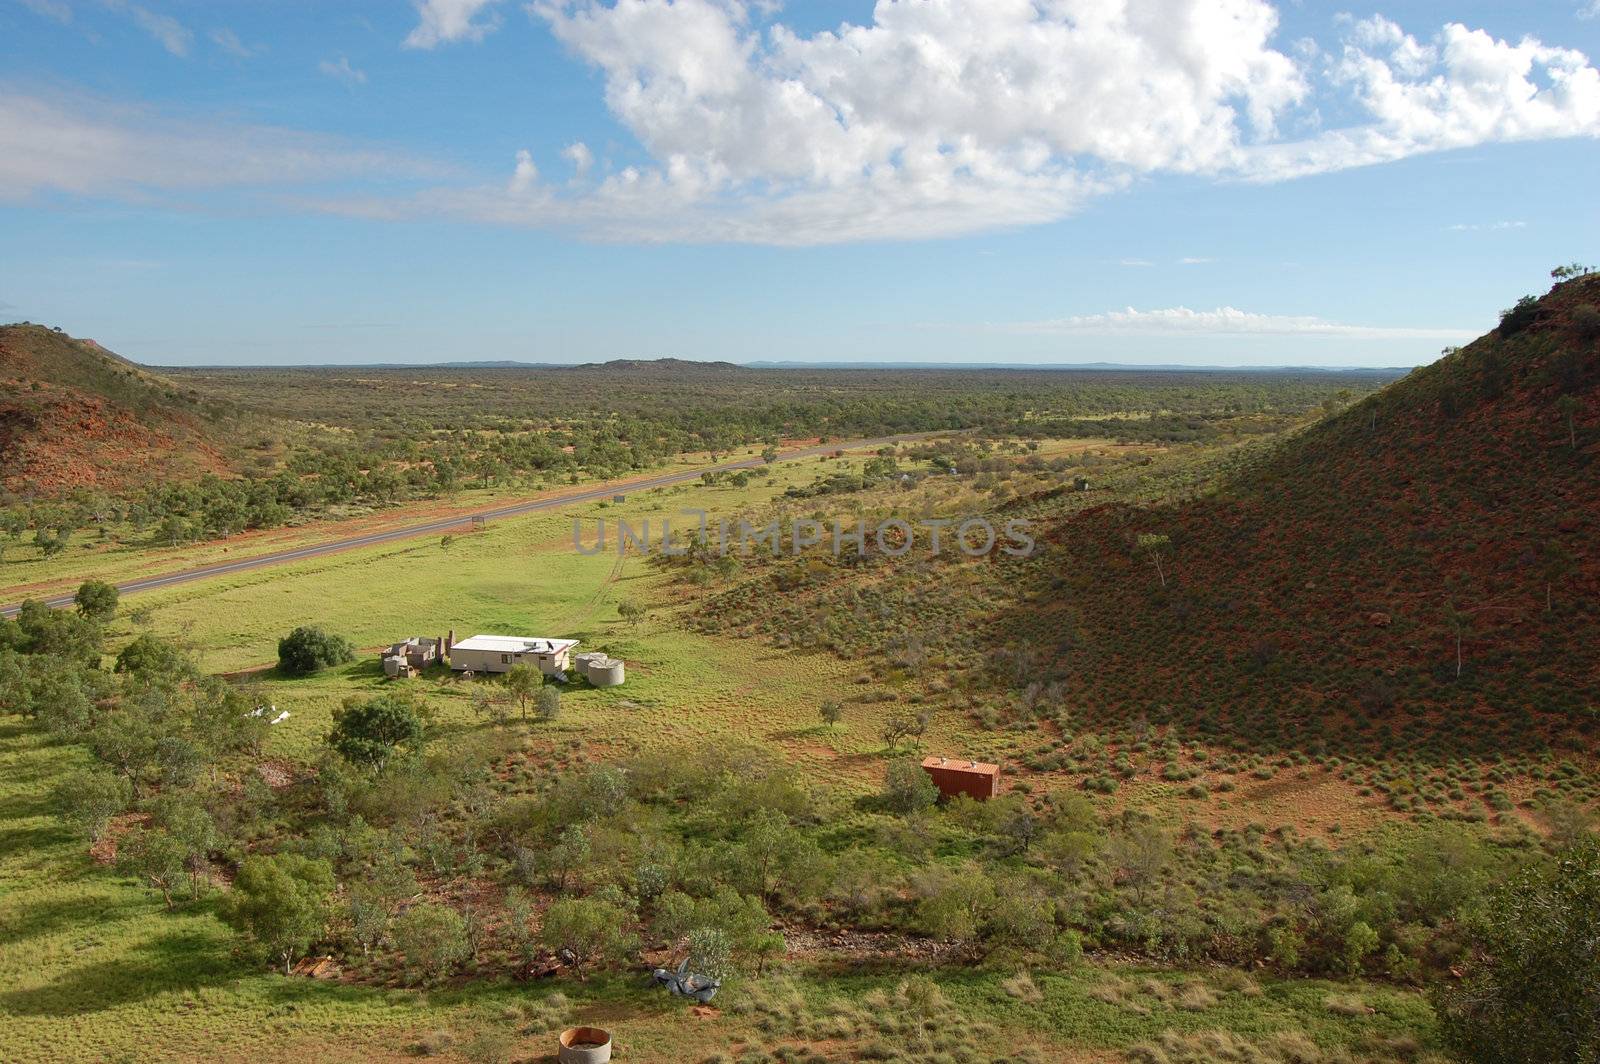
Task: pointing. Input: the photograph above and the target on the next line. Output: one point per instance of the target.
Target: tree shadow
(176, 960)
(87, 912)
(37, 837)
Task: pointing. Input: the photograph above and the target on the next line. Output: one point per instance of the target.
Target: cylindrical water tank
(583, 662)
(607, 672)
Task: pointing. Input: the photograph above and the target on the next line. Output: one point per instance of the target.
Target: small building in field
(954, 776)
(404, 659)
(500, 653)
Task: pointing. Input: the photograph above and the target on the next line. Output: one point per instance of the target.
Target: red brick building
(954, 776)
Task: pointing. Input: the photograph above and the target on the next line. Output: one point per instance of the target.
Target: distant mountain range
(694, 366)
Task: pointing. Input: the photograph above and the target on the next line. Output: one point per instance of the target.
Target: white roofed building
(499, 653)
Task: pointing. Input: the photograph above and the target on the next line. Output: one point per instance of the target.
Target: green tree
(279, 903)
(373, 732)
(769, 454)
(767, 948)
(1141, 850)
(194, 831)
(433, 940)
(308, 649)
(831, 712)
(523, 683)
(631, 611)
(592, 931)
(152, 656)
(1530, 993)
(907, 788)
(88, 799)
(570, 851)
(96, 600)
(954, 903)
(1153, 546)
(153, 855)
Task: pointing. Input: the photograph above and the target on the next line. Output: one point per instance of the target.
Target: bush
(433, 940)
(1586, 322)
(1519, 317)
(371, 733)
(907, 788)
(96, 600)
(151, 657)
(307, 649)
(1531, 996)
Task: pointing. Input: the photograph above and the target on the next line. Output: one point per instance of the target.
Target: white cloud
(1485, 227)
(1195, 260)
(51, 9)
(229, 42)
(950, 117)
(1462, 89)
(526, 174)
(93, 146)
(444, 21)
(579, 155)
(1590, 11)
(341, 70)
(1224, 321)
(172, 35)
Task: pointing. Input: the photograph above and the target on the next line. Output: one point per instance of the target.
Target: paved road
(261, 561)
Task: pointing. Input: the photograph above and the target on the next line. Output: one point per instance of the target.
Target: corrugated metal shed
(953, 776)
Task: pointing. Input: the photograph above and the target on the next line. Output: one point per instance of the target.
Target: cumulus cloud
(94, 146)
(444, 21)
(1224, 321)
(950, 117)
(341, 70)
(579, 155)
(1462, 89)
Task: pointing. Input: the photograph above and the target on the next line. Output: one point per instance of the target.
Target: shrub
(907, 788)
(1530, 996)
(1519, 317)
(1586, 322)
(308, 649)
(371, 733)
(433, 940)
(96, 600)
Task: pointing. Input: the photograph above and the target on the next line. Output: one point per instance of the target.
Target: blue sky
(1220, 182)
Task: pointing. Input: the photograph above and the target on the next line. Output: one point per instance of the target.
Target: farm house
(499, 653)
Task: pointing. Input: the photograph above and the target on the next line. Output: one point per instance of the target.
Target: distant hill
(676, 366)
(73, 414)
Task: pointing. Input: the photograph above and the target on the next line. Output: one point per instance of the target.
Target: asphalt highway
(262, 561)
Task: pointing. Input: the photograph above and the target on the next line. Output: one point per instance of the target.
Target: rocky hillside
(73, 414)
(1422, 568)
